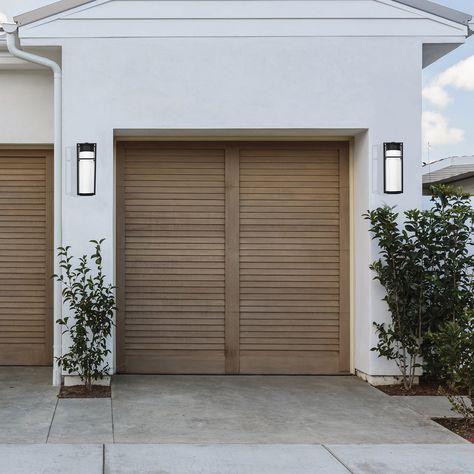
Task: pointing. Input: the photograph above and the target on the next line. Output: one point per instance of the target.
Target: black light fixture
(86, 169)
(393, 168)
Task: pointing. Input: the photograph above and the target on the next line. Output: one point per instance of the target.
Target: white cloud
(436, 130)
(459, 76)
(436, 95)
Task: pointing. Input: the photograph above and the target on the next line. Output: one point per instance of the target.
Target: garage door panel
(25, 258)
(262, 171)
(173, 245)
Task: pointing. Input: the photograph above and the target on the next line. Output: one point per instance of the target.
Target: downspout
(13, 44)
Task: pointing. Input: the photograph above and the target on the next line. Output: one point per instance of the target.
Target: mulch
(425, 388)
(459, 426)
(80, 391)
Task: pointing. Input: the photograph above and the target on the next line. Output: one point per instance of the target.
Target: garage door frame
(232, 241)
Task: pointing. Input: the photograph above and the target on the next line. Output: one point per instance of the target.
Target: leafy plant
(453, 345)
(426, 267)
(450, 263)
(400, 271)
(92, 304)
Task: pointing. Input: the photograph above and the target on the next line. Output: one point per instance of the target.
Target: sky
(448, 99)
(448, 91)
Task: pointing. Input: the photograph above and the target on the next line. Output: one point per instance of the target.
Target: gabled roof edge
(438, 10)
(65, 5)
(48, 10)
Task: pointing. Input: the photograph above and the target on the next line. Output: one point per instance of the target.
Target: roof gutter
(14, 47)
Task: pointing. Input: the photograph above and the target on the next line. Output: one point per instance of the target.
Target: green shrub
(426, 269)
(453, 345)
(449, 264)
(92, 304)
(400, 271)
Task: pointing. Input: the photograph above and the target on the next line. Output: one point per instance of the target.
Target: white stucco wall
(26, 101)
(285, 84)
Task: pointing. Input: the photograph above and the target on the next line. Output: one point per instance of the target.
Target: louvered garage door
(233, 258)
(26, 257)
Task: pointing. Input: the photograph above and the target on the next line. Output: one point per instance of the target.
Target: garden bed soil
(458, 426)
(79, 391)
(425, 388)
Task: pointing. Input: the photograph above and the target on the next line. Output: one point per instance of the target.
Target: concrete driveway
(212, 409)
(222, 425)
(264, 409)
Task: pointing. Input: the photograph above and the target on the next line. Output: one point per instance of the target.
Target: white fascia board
(59, 15)
(439, 10)
(81, 6)
(53, 9)
(464, 27)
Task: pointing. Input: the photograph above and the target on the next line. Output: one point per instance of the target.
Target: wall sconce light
(393, 168)
(86, 169)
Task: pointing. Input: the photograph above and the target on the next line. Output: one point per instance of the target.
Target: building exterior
(455, 171)
(238, 144)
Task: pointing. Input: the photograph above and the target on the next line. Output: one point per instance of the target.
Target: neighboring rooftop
(447, 170)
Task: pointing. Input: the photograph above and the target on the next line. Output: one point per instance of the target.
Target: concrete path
(429, 406)
(235, 459)
(27, 404)
(216, 410)
(51, 459)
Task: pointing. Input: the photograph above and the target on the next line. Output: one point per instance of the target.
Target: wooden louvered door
(294, 267)
(233, 258)
(171, 239)
(26, 257)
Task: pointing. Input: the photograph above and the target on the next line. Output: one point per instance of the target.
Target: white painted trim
(352, 250)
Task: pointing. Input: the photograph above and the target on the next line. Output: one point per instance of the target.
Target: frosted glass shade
(86, 169)
(393, 169)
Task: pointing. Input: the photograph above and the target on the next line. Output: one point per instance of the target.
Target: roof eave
(438, 10)
(49, 10)
(62, 6)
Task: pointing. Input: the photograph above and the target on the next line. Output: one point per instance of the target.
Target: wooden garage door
(26, 257)
(233, 258)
